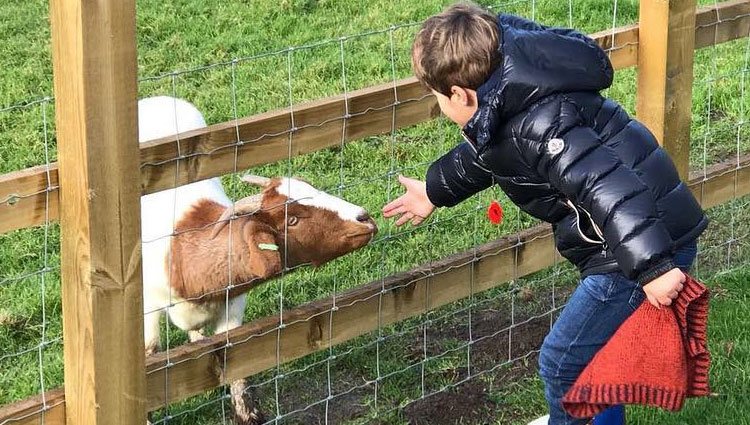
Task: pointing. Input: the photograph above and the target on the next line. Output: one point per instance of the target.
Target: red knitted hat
(657, 357)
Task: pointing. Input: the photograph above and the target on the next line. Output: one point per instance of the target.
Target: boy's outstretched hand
(414, 205)
(665, 288)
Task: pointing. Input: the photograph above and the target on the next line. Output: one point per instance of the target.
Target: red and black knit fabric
(657, 357)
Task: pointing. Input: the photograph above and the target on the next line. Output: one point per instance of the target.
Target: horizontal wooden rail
(360, 310)
(210, 152)
(47, 408)
(722, 182)
(29, 197)
(720, 23)
(265, 138)
(621, 45)
(197, 367)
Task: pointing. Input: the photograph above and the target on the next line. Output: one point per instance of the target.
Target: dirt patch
(497, 341)
(469, 400)
(514, 348)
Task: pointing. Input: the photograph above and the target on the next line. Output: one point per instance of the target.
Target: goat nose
(364, 217)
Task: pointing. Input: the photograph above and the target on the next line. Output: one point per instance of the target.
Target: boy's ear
(463, 96)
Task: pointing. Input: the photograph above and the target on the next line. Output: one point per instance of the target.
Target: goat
(202, 253)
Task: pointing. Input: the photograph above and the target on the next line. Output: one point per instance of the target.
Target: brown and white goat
(202, 253)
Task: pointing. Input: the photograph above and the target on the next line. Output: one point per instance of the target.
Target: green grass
(189, 35)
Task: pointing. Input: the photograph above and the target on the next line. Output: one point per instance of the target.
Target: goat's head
(316, 226)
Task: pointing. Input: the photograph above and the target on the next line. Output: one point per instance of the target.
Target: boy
(527, 98)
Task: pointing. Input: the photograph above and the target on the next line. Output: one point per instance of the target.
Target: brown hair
(458, 46)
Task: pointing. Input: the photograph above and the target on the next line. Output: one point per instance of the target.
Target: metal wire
(382, 342)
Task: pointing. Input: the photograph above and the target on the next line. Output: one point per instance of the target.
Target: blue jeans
(593, 313)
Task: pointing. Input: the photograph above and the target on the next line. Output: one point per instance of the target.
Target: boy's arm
(592, 176)
(456, 176)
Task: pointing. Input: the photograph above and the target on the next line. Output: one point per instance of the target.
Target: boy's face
(460, 106)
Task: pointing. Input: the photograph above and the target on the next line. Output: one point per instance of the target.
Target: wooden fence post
(665, 74)
(94, 59)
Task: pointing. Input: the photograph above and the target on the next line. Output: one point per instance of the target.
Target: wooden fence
(106, 381)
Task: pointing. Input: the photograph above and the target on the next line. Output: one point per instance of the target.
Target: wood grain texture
(32, 411)
(94, 62)
(715, 25)
(29, 197)
(722, 182)
(665, 74)
(199, 366)
(270, 137)
(315, 326)
(620, 44)
(210, 150)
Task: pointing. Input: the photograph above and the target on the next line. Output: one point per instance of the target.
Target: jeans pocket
(637, 298)
(600, 286)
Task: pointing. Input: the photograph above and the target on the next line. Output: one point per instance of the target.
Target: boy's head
(454, 53)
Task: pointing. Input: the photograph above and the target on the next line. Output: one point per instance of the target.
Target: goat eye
(292, 220)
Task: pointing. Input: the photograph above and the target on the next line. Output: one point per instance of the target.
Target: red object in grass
(495, 212)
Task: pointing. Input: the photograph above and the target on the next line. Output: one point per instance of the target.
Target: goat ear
(265, 252)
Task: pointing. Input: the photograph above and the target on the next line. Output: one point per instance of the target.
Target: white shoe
(540, 421)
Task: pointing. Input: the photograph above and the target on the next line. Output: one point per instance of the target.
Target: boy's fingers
(416, 221)
(406, 182)
(404, 218)
(393, 205)
(395, 211)
(653, 301)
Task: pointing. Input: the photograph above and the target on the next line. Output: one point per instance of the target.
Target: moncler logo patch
(555, 146)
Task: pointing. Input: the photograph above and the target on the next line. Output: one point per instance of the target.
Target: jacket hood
(537, 61)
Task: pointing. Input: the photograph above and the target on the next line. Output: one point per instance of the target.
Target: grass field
(187, 47)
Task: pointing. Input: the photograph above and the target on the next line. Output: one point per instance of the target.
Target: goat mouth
(356, 235)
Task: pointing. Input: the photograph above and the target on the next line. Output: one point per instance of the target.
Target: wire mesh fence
(30, 306)
(476, 354)
(384, 372)
(719, 133)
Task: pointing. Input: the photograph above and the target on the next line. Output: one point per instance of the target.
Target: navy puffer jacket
(568, 156)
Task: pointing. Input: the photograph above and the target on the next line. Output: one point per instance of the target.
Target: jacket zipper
(474, 148)
(596, 228)
(469, 141)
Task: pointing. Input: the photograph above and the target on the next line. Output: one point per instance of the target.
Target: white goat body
(161, 117)
(309, 225)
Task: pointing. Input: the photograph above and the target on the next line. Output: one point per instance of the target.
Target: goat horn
(256, 180)
(244, 206)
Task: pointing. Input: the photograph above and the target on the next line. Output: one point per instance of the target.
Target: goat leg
(243, 405)
(196, 335)
(151, 349)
